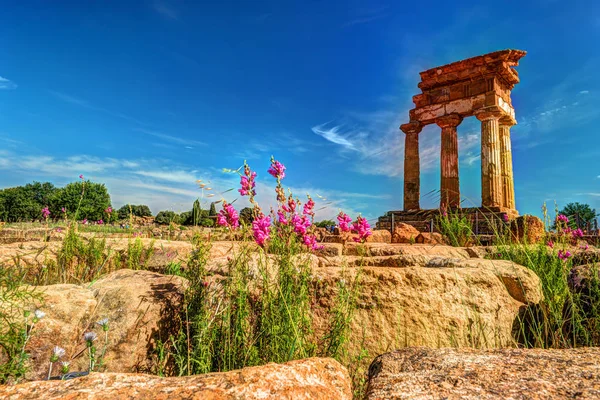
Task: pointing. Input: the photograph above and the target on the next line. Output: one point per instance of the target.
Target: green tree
(196, 213)
(246, 215)
(135, 210)
(83, 200)
(213, 210)
(580, 215)
(325, 223)
(166, 217)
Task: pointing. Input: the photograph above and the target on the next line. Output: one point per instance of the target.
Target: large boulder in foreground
(141, 307)
(420, 300)
(419, 373)
(313, 378)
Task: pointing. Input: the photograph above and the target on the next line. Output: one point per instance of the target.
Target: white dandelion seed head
(103, 322)
(39, 314)
(58, 351)
(65, 364)
(90, 336)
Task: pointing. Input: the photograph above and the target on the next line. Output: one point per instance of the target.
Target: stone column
(450, 191)
(412, 167)
(491, 176)
(506, 164)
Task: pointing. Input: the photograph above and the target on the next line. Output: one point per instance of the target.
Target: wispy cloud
(165, 185)
(166, 10)
(188, 143)
(334, 135)
(7, 84)
(86, 104)
(366, 15)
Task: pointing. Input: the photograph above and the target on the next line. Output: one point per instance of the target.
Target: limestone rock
(527, 229)
(419, 373)
(380, 236)
(140, 306)
(404, 233)
(430, 238)
(426, 300)
(313, 378)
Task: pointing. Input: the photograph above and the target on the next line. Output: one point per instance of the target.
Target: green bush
(167, 217)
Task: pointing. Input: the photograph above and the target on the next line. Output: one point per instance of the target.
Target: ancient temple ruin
(479, 87)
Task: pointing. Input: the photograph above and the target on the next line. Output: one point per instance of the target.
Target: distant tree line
(25, 203)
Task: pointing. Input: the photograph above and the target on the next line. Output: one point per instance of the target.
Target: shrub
(166, 218)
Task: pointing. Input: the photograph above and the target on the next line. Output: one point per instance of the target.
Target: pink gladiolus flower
(577, 233)
(248, 182)
(311, 242)
(301, 224)
(277, 169)
(109, 210)
(228, 216)
(363, 229)
(64, 210)
(81, 176)
(261, 229)
(85, 221)
(584, 247)
(100, 222)
(45, 212)
(505, 217)
(281, 218)
(343, 221)
(563, 218)
(550, 244)
(58, 230)
(308, 207)
(564, 255)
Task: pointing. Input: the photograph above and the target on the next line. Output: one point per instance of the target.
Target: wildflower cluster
(45, 212)
(228, 217)
(361, 226)
(247, 182)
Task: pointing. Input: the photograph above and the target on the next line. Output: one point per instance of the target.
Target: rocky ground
(429, 295)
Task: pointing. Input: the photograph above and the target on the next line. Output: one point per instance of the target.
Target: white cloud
(7, 84)
(168, 186)
(334, 135)
(165, 10)
(584, 92)
(173, 139)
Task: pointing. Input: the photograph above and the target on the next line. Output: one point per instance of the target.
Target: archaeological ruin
(479, 87)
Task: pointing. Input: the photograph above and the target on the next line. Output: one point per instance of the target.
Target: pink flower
(505, 217)
(228, 216)
(64, 210)
(564, 255)
(100, 222)
(550, 244)
(300, 223)
(311, 242)
(81, 176)
(277, 169)
(362, 227)
(45, 212)
(584, 247)
(85, 221)
(261, 229)
(109, 210)
(59, 230)
(563, 218)
(308, 207)
(343, 221)
(281, 218)
(577, 233)
(247, 181)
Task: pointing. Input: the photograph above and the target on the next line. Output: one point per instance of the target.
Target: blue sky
(149, 96)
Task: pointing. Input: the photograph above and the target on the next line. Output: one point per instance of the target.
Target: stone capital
(411, 127)
(491, 112)
(508, 120)
(450, 120)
